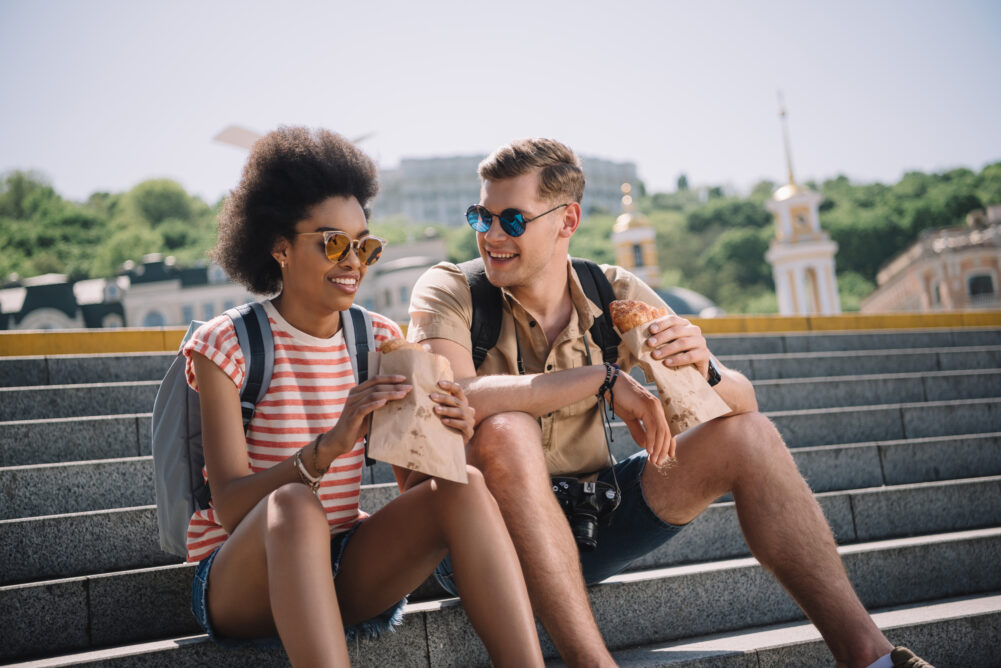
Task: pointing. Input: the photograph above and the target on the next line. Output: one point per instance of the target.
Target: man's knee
(752, 436)
(507, 444)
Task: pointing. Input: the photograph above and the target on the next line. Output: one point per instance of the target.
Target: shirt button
(549, 367)
(531, 324)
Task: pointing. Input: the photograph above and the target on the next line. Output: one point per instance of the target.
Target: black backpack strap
(359, 338)
(598, 289)
(488, 309)
(253, 331)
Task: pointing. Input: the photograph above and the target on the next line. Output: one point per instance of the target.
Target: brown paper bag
(407, 432)
(687, 398)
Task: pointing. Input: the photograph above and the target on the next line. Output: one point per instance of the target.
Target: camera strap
(606, 427)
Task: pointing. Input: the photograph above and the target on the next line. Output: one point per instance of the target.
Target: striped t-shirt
(308, 389)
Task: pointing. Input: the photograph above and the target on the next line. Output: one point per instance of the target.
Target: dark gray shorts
(635, 530)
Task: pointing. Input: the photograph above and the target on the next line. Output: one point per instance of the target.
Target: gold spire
(785, 138)
(630, 218)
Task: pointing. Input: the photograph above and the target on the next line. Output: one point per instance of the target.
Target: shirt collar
(587, 310)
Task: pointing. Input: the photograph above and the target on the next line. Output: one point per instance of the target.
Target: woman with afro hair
(284, 549)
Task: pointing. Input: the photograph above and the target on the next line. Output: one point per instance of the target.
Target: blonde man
(546, 421)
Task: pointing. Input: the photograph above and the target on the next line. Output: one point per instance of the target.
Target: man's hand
(643, 414)
(678, 342)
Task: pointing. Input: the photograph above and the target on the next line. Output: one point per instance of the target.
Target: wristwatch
(714, 377)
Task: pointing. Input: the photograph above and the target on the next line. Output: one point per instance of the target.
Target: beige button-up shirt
(573, 439)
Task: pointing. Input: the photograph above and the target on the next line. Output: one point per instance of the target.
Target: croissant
(629, 313)
(399, 344)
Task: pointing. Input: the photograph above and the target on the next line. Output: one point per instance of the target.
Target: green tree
(159, 200)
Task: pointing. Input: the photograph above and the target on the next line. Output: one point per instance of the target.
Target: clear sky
(103, 94)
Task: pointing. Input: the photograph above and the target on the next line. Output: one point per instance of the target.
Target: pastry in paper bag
(687, 398)
(407, 432)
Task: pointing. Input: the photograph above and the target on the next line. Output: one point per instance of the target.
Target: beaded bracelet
(611, 375)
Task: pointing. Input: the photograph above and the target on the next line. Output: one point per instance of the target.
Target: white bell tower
(801, 254)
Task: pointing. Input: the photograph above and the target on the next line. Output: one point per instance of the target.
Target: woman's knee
(293, 509)
(507, 443)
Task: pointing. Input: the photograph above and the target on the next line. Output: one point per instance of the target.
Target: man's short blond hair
(560, 175)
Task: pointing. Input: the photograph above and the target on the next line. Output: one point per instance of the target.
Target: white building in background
(160, 294)
(439, 190)
(156, 293)
(801, 254)
(388, 283)
(635, 241)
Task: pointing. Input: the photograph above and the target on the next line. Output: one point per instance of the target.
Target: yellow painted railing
(126, 340)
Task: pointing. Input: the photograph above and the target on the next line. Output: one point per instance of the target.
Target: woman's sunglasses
(337, 244)
(512, 221)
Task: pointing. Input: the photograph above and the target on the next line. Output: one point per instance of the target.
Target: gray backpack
(177, 415)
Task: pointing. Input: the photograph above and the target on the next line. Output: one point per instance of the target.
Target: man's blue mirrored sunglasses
(512, 221)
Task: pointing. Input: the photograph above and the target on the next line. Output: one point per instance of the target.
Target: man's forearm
(536, 394)
(736, 390)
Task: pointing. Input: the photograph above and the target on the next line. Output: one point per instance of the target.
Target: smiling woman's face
(309, 276)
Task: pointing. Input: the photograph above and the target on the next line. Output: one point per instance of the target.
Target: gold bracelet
(304, 477)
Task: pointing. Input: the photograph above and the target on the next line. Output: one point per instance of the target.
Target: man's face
(514, 262)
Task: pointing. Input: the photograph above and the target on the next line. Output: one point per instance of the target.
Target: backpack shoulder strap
(253, 332)
(599, 290)
(359, 337)
(488, 309)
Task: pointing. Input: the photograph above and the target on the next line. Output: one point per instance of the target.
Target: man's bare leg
(782, 523)
(507, 448)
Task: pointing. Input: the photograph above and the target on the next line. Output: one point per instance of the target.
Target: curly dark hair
(289, 171)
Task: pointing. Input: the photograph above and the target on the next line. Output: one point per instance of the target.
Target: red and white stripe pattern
(308, 389)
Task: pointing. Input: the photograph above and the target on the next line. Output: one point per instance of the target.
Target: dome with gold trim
(631, 219)
(787, 191)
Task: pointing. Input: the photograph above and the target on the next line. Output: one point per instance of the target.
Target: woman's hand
(362, 400)
(453, 408)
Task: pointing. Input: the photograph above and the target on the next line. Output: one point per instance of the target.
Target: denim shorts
(372, 628)
(635, 530)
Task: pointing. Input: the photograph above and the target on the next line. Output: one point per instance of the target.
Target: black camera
(586, 504)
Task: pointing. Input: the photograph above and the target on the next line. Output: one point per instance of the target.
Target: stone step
(114, 367)
(849, 363)
(49, 489)
(883, 339)
(123, 367)
(954, 632)
(54, 440)
(149, 604)
(72, 369)
(26, 442)
(61, 401)
(950, 632)
(92, 542)
(867, 390)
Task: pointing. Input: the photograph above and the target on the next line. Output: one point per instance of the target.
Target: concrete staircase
(898, 433)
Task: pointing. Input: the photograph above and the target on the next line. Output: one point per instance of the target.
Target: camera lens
(585, 528)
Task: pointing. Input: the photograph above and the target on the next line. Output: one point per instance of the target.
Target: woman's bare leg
(400, 545)
(273, 573)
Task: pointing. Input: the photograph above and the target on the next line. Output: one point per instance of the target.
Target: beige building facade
(951, 269)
